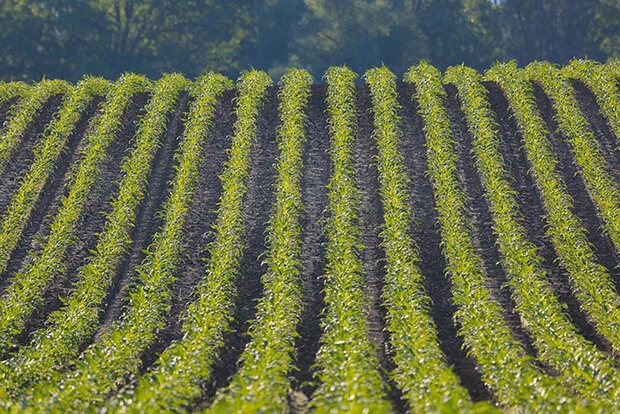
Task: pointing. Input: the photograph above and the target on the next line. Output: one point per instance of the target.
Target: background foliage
(67, 38)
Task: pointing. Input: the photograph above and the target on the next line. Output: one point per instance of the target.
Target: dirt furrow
(258, 202)
(313, 250)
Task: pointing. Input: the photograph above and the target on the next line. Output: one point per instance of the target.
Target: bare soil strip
(313, 251)
(257, 207)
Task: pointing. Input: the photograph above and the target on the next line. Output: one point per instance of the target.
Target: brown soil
(258, 203)
(317, 171)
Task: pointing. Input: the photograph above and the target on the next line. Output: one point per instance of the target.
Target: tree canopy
(68, 38)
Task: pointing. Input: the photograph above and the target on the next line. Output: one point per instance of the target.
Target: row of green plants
(262, 383)
(70, 326)
(347, 363)
(512, 375)
(603, 189)
(10, 92)
(588, 370)
(105, 364)
(174, 381)
(45, 156)
(591, 283)
(612, 67)
(23, 115)
(602, 84)
(28, 286)
(421, 371)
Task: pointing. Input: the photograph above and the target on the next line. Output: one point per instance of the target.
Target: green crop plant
(613, 69)
(580, 363)
(12, 91)
(46, 155)
(347, 363)
(68, 327)
(173, 383)
(262, 383)
(603, 86)
(105, 364)
(421, 372)
(591, 283)
(509, 372)
(29, 284)
(602, 188)
(23, 115)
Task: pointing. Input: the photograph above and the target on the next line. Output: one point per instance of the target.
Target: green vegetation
(587, 369)
(65, 39)
(23, 115)
(173, 383)
(603, 190)
(104, 364)
(346, 361)
(46, 154)
(262, 383)
(591, 283)
(600, 81)
(10, 91)
(28, 286)
(507, 369)
(421, 369)
(99, 331)
(68, 327)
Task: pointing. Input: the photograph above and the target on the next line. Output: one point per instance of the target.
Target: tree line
(68, 38)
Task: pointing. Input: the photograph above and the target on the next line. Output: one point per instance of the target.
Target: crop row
(46, 155)
(586, 368)
(28, 285)
(347, 363)
(23, 115)
(68, 327)
(604, 87)
(574, 126)
(12, 91)
(591, 283)
(104, 364)
(421, 373)
(506, 368)
(174, 381)
(262, 382)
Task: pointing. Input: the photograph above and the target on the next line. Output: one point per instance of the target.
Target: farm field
(444, 242)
